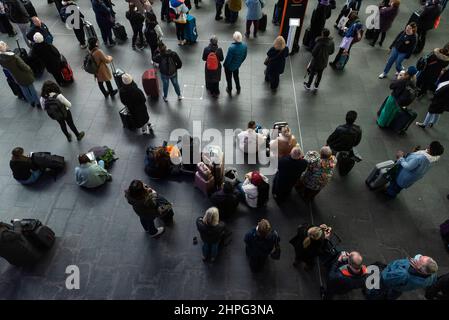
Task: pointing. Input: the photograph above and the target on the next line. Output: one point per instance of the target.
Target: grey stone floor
(99, 232)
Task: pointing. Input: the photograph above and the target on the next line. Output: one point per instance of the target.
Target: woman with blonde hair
(309, 243)
(211, 231)
(275, 62)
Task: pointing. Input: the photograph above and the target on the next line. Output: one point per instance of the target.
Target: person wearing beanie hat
(135, 101)
(401, 49)
(213, 55)
(49, 55)
(254, 191)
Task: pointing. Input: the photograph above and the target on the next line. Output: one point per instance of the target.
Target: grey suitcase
(379, 176)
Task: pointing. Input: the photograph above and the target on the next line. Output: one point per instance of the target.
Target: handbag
(268, 60)
(276, 253)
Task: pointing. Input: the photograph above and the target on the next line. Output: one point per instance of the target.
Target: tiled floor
(98, 231)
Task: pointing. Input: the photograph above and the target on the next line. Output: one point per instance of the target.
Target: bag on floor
(263, 23)
(104, 153)
(38, 234)
(46, 160)
(165, 209)
(127, 119)
(119, 32)
(207, 186)
(380, 175)
(66, 71)
(345, 162)
(341, 63)
(21, 52)
(89, 30)
(117, 73)
(150, 83)
(403, 120)
(307, 39)
(190, 31)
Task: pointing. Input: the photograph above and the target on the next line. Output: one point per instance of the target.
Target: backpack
(407, 96)
(212, 62)
(104, 153)
(55, 109)
(168, 66)
(89, 64)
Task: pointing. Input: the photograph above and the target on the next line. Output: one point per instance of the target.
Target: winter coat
(162, 60)
(435, 63)
(48, 54)
(387, 17)
(235, 5)
(102, 61)
(141, 5)
(398, 87)
(43, 30)
(22, 169)
(324, 47)
(401, 277)
(103, 14)
(17, 12)
(427, 18)
(210, 234)
(342, 279)
(254, 9)
(276, 61)
(440, 101)
(134, 99)
(345, 137)
(289, 171)
(405, 43)
(236, 55)
(412, 168)
(91, 175)
(318, 21)
(226, 203)
(21, 72)
(315, 249)
(258, 247)
(213, 76)
(145, 207)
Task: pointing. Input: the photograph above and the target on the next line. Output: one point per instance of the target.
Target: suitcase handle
(18, 45)
(113, 67)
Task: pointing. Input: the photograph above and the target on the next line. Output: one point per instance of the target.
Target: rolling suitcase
(345, 162)
(150, 83)
(403, 120)
(307, 39)
(207, 186)
(190, 32)
(46, 160)
(89, 30)
(66, 71)
(120, 32)
(21, 52)
(263, 23)
(117, 73)
(127, 119)
(341, 63)
(379, 176)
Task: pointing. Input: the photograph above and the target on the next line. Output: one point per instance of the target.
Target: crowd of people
(308, 173)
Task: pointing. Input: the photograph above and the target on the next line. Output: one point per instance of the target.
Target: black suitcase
(403, 120)
(345, 162)
(263, 22)
(21, 52)
(46, 160)
(89, 30)
(117, 73)
(127, 119)
(119, 32)
(307, 39)
(38, 234)
(15, 247)
(29, 8)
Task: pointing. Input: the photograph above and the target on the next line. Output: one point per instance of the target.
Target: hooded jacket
(145, 207)
(134, 99)
(21, 72)
(324, 47)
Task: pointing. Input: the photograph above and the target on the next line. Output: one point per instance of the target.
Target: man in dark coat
(105, 19)
(387, 15)
(435, 62)
(49, 55)
(317, 24)
(18, 14)
(290, 169)
(38, 26)
(323, 48)
(226, 199)
(212, 76)
(134, 100)
(426, 21)
(440, 104)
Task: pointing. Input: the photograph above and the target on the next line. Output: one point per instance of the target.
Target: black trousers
(376, 37)
(164, 9)
(229, 74)
(102, 88)
(80, 35)
(213, 87)
(6, 24)
(137, 32)
(312, 74)
(68, 121)
(180, 30)
(219, 9)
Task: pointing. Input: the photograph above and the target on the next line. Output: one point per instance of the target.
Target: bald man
(37, 26)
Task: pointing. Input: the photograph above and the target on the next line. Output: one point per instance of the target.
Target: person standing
(412, 167)
(317, 24)
(353, 35)
(22, 167)
(211, 231)
(142, 6)
(260, 242)
(324, 47)
(90, 174)
(18, 14)
(434, 63)
(213, 55)
(153, 33)
(135, 101)
(58, 108)
(49, 55)
(401, 49)
(169, 63)
(219, 9)
(180, 21)
(143, 200)
(136, 20)
(37, 26)
(290, 169)
(103, 75)
(105, 20)
(426, 22)
(234, 58)
(21, 72)
(439, 104)
(253, 15)
(234, 7)
(76, 26)
(275, 62)
(387, 15)
(319, 172)
(4, 21)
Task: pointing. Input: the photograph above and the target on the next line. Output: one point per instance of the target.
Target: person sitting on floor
(90, 174)
(23, 168)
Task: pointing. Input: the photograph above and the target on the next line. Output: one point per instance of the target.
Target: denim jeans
(174, 81)
(148, 225)
(431, 118)
(35, 175)
(397, 57)
(393, 189)
(210, 250)
(101, 163)
(233, 16)
(30, 94)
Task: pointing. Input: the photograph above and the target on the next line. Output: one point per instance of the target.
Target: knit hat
(3, 46)
(412, 71)
(38, 37)
(127, 79)
(256, 178)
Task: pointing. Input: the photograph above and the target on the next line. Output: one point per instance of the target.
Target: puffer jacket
(236, 55)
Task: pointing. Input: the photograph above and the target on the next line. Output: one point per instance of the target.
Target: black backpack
(168, 65)
(55, 109)
(407, 96)
(89, 64)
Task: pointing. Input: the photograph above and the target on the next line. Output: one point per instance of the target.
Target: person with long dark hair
(103, 74)
(23, 168)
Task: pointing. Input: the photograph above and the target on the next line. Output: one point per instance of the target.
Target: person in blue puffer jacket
(234, 58)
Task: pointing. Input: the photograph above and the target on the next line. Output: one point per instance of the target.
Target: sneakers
(80, 136)
(306, 86)
(146, 129)
(219, 18)
(69, 138)
(165, 99)
(83, 46)
(420, 124)
(180, 98)
(382, 76)
(160, 231)
(113, 93)
(229, 91)
(315, 89)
